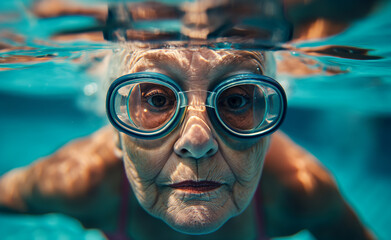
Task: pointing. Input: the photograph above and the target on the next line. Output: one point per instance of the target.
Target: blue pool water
(343, 119)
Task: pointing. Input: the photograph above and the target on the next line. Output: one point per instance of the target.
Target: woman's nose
(196, 140)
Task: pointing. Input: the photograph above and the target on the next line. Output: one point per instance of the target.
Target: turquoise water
(343, 119)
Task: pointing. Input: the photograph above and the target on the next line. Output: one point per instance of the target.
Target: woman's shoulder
(296, 189)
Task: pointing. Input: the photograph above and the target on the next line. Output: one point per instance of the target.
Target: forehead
(197, 66)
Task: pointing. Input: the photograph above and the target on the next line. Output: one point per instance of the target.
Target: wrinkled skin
(194, 150)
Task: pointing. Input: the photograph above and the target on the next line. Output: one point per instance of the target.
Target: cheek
(144, 160)
(144, 163)
(246, 161)
(147, 157)
(246, 165)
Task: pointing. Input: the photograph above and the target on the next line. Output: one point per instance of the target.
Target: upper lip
(196, 185)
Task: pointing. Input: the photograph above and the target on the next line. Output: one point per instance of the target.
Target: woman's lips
(196, 187)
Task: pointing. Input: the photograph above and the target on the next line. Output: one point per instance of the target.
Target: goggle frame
(182, 103)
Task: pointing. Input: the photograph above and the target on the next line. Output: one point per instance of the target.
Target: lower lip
(196, 187)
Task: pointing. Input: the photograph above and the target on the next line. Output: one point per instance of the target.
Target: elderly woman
(194, 136)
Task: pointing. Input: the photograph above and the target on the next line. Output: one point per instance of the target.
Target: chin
(197, 220)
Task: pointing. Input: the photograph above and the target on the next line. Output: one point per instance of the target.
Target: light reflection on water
(339, 90)
(345, 65)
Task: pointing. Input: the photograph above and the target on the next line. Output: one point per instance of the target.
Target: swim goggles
(150, 105)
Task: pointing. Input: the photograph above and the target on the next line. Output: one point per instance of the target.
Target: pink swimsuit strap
(120, 233)
(260, 215)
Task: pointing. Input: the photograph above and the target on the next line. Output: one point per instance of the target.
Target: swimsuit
(122, 221)
(259, 215)
(120, 234)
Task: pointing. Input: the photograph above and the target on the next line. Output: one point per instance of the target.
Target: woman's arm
(74, 180)
(304, 195)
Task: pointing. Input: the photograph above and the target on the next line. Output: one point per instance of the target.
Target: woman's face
(196, 177)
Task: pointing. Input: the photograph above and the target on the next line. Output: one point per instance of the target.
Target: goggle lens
(145, 106)
(242, 107)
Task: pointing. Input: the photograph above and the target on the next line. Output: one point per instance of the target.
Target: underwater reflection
(250, 24)
(275, 21)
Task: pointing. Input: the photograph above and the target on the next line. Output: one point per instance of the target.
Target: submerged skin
(83, 178)
(195, 150)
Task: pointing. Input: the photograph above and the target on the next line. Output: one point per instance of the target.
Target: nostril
(196, 141)
(210, 152)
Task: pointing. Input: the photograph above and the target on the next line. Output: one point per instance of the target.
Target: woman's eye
(236, 101)
(157, 100)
